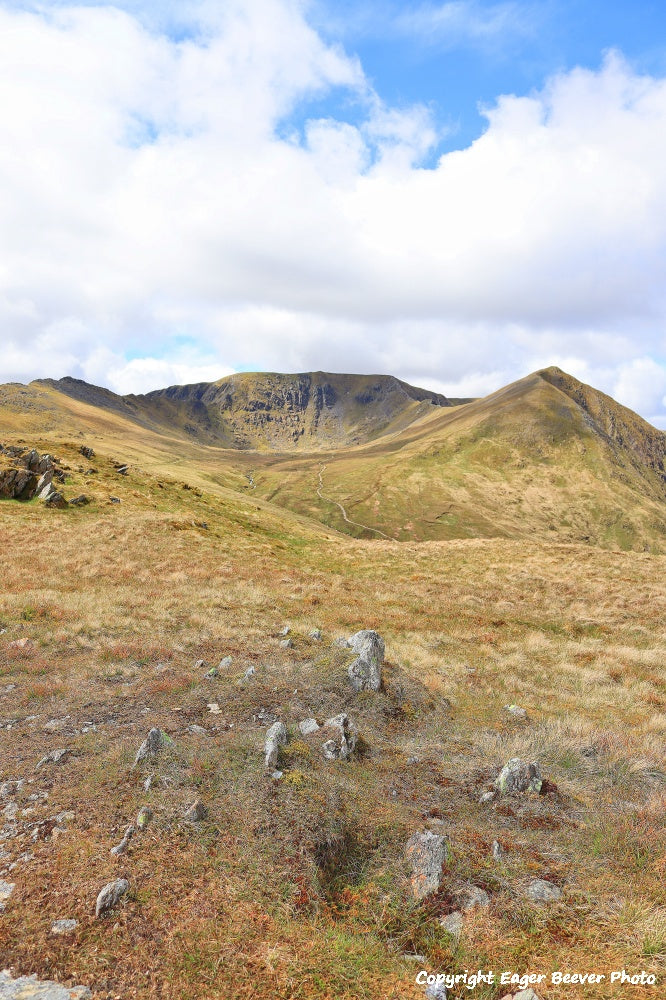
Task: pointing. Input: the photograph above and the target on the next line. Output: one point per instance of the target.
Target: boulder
(343, 738)
(517, 777)
(86, 452)
(56, 500)
(110, 895)
(365, 672)
(276, 737)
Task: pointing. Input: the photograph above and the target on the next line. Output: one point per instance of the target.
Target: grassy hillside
(298, 888)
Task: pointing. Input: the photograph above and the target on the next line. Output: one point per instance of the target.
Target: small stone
(516, 711)
(56, 500)
(6, 889)
(518, 777)
(315, 634)
(287, 644)
(427, 852)
(196, 812)
(199, 730)
(225, 662)
(213, 673)
(497, 850)
(487, 797)
(200, 664)
(114, 499)
(80, 501)
(285, 631)
(213, 708)
(64, 926)
(527, 994)
(86, 452)
(436, 991)
(276, 737)
(540, 891)
(54, 757)
(148, 783)
(110, 895)
(276, 775)
(143, 817)
(342, 642)
(10, 788)
(308, 726)
(152, 744)
(124, 843)
(23, 643)
(453, 924)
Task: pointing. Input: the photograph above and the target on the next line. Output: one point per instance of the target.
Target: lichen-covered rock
(344, 735)
(56, 500)
(540, 891)
(516, 711)
(472, 896)
(365, 672)
(427, 853)
(31, 988)
(144, 816)
(452, 924)
(110, 895)
(436, 991)
(152, 744)
(276, 737)
(517, 777)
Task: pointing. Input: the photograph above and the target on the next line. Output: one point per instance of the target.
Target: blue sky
(456, 193)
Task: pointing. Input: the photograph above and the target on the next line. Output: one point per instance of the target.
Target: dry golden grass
(298, 889)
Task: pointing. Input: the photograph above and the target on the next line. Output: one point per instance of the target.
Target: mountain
(374, 457)
(271, 411)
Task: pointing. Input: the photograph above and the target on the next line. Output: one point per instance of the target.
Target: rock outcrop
(365, 672)
(342, 741)
(32, 988)
(517, 777)
(427, 853)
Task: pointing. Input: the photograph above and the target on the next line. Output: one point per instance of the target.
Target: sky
(457, 193)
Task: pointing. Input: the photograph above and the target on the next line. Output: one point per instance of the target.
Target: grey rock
(315, 634)
(343, 741)
(249, 673)
(225, 662)
(199, 730)
(124, 843)
(110, 895)
(64, 926)
(487, 797)
(276, 775)
(114, 499)
(413, 760)
(143, 817)
(497, 850)
(11, 788)
(276, 737)
(86, 452)
(426, 852)
(152, 744)
(287, 643)
(365, 673)
(308, 726)
(527, 994)
(6, 889)
(81, 501)
(196, 812)
(341, 642)
(54, 757)
(285, 631)
(31, 988)
(453, 924)
(436, 991)
(200, 664)
(518, 777)
(473, 897)
(540, 891)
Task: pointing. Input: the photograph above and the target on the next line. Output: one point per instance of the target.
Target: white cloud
(156, 188)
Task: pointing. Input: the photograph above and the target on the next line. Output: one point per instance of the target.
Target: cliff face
(287, 412)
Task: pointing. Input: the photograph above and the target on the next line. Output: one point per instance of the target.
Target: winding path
(357, 524)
